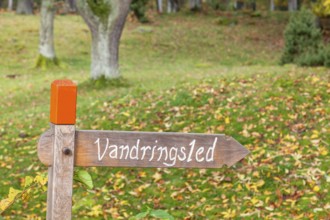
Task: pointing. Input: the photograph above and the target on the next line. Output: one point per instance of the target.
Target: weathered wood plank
(59, 197)
(149, 149)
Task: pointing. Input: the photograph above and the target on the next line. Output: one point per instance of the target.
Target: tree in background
(272, 5)
(303, 41)
(159, 4)
(292, 5)
(106, 20)
(172, 6)
(195, 5)
(10, 5)
(70, 6)
(24, 7)
(139, 7)
(47, 54)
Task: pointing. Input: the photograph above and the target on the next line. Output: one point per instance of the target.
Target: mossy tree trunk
(47, 56)
(106, 20)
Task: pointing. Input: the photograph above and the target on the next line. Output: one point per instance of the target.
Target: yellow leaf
(267, 199)
(323, 151)
(208, 208)
(27, 181)
(227, 120)
(124, 202)
(13, 193)
(316, 188)
(315, 79)
(246, 133)
(118, 184)
(314, 136)
(41, 179)
(327, 2)
(229, 213)
(260, 183)
(270, 208)
(119, 174)
(157, 176)
(142, 174)
(277, 179)
(4, 204)
(114, 213)
(95, 211)
(126, 114)
(267, 192)
(254, 201)
(142, 187)
(218, 116)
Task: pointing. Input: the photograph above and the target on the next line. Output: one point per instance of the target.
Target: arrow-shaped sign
(147, 149)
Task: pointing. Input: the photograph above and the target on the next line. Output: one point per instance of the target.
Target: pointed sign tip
(237, 159)
(239, 152)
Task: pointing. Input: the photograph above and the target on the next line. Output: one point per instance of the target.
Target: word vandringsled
(168, 155)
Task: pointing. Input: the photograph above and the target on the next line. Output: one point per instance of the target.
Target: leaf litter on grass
(283, 119)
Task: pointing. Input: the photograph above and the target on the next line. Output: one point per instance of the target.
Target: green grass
(181, 73)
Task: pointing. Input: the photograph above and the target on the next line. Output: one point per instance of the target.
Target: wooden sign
(148, 149)
(62, 147)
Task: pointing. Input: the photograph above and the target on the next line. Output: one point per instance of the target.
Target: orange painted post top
(63, 102)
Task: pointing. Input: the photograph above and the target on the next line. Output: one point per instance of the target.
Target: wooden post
(60, 174)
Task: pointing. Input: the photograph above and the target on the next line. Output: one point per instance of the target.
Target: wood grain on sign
(60, 174)
(148, 149)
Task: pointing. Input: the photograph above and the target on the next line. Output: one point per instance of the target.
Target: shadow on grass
(103, 83)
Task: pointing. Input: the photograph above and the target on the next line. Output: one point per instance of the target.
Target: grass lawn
(182, 73)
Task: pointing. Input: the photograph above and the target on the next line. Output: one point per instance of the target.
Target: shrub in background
(139, 7)
(223, 5)
(303, 40)
(314, 58)
(326, 56)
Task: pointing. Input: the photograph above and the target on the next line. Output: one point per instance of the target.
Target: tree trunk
(106, 27)
(10, 5)
(46, 33)
(24, 7)
(70, 6)
(159, 6)
(272, 5)
(292, 5)
(46, 43)
(105, 53)
(195, 5)
(172, 6)
(253, 5)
